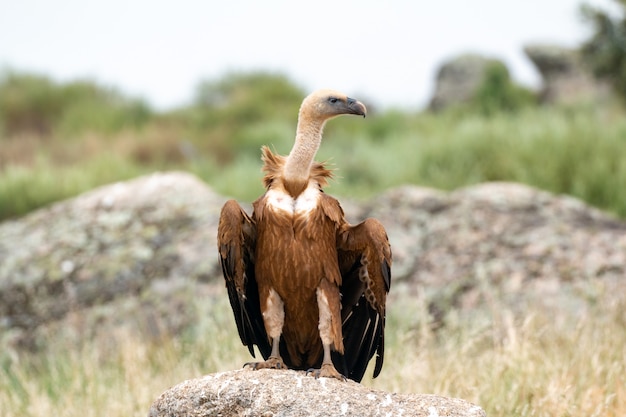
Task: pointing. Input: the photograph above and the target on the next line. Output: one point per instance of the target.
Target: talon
(327, 371)
(273, 362)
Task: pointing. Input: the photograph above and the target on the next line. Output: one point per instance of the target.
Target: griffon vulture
(306, 287)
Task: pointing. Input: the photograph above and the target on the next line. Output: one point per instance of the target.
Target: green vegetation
(60, 140)
(32, 104)
(606, 49)
(539, 365)
(498, 93)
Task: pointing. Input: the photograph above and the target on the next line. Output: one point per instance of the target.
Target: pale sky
(386, 53)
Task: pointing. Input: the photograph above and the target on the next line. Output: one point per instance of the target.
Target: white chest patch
(305, 203)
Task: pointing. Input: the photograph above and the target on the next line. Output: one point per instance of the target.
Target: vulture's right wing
(236, 239)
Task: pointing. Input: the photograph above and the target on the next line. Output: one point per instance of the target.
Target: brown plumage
(305, 286)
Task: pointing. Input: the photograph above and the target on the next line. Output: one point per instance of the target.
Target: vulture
(305, 286)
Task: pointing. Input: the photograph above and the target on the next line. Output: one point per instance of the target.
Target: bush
(33, 104)
(242, 111)
(246, 98)
(88, 107)
(606, 49)
(28, 103)
(498, 93)
(23, 189)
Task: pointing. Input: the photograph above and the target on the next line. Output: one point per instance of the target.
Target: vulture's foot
(327, 371)
(273, 362)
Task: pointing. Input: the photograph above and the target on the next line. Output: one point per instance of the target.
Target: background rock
(143, 254)
(458, 79)
(289, 393)
(566, 80)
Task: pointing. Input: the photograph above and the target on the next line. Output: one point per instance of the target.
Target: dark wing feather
(364, 256)
(236, 238)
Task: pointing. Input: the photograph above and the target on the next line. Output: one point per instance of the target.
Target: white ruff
(304, 204)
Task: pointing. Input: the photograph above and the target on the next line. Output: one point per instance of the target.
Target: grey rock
(529, 247)
(290, 393)
(135, 248)
(458, 79)
(566, 79)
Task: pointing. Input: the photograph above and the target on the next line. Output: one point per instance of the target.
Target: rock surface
(531, 247)
(289, 393)
(125, 252)
(566, 80)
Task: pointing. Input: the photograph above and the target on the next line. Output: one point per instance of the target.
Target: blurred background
(459, 93)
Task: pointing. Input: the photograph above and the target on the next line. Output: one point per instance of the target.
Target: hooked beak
(355, 107)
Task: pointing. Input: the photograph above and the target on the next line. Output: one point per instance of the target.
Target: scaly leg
(273, 362)
(327, 369)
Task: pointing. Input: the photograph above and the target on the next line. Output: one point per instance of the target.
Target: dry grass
(543, 364)
(539, 365)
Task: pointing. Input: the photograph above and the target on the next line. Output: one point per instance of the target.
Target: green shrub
(28, 103)
(23, 189)
(498, 93)
(88, 107)
(605, 51)
(246, 98)
(33, 104)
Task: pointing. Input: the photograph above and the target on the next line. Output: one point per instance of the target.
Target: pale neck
(300, 159)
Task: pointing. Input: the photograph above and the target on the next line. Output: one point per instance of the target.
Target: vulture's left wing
(364, 256)
(236, 239)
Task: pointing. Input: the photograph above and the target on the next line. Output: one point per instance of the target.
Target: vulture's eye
(333, 100)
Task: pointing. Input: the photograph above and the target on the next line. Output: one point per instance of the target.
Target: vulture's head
(322, 105)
